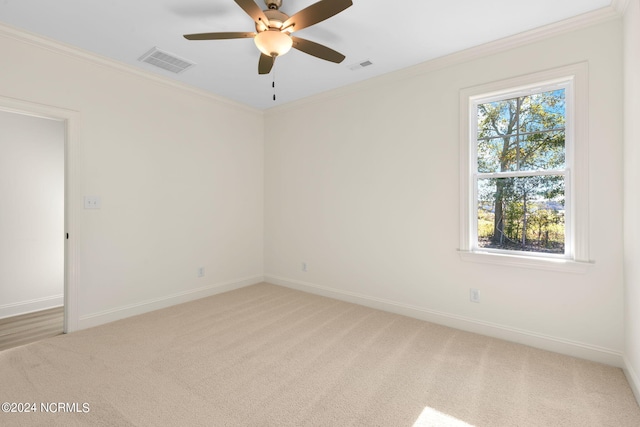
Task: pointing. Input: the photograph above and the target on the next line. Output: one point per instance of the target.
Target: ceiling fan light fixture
(273, 30)
(273, 42)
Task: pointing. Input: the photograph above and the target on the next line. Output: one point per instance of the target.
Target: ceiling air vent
(165, 60)
(360, 65)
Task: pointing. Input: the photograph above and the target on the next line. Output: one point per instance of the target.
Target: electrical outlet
(304, 267)
(201, 272)
(474, 295)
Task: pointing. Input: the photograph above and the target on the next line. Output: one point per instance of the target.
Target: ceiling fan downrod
(273, 4)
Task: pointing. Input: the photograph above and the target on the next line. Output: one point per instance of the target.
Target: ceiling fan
(273, 30)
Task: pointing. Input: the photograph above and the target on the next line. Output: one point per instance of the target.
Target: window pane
(497, 154)
(542, 111)
(522, 134)
(497, 118)
(522, 214)
(542, 151)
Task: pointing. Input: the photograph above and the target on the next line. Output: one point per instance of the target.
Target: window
(520, 171)
(523, 161)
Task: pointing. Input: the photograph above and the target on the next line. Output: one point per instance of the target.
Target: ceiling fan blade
(219, 36)
(317, 50)
(253, 10)
(315, 13)
(265, 64)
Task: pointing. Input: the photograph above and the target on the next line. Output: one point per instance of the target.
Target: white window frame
(574, 79)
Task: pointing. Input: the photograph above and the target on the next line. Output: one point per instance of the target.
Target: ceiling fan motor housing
(276, 19)
(273, 4)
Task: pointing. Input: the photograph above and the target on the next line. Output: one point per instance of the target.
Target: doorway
(38, 147)
(32, 225)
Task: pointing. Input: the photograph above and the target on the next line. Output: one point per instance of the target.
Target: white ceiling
(392, 35)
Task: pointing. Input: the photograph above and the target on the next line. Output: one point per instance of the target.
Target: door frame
(72, 195)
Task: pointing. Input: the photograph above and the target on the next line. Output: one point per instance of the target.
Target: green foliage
(545, 232)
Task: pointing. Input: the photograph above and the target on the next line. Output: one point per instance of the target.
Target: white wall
(632, 192)
(364, 187)
(32, 213)
(179, 174)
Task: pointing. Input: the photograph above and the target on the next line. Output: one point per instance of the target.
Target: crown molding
(584, 20)
(614, 11)
(620, 6)
(23, 36)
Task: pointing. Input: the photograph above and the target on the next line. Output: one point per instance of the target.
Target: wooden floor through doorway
(27, 328)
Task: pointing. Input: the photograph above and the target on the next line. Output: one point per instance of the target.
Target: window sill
(563, 265)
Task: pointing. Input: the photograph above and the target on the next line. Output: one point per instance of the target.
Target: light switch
(91, 202)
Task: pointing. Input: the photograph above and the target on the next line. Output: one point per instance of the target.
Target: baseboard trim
(632, 377)
(111, 315)
(533, 339)
(25, 307)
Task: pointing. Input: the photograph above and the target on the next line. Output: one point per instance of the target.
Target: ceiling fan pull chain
(273, 85)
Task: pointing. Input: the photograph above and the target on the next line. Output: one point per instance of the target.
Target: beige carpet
(270, 356)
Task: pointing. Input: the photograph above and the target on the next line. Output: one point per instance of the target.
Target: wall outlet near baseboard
(304, 267)
(474, 295)
(200, 271)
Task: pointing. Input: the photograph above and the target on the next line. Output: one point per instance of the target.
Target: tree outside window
(521, 172)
